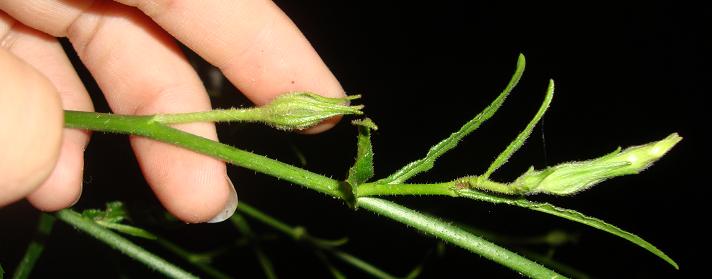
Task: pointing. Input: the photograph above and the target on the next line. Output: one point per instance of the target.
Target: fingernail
(230, 207)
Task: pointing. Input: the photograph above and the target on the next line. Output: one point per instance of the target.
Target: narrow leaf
(439, 149)
(522, 137)
(111, 218)
(457, 236)
(127, 229)
(362, 170)
(570, 215)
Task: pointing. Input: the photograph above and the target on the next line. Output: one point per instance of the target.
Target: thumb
(31, 121)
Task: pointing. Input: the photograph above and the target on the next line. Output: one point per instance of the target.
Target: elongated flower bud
(301, 110)
(569, 178)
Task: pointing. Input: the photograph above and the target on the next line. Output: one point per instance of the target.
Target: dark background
(626, 74)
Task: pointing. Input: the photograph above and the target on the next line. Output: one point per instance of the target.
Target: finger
(31, 127)
(253, 42)
(63, 187)
(141, 71)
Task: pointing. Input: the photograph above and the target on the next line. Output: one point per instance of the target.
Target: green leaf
(362, 170)
(2, 272)
(326, 243)
(570, 215)
(457, 236)
(127, 229)
(439, 149)
(111, 218)
(522, 137)
(114, 213)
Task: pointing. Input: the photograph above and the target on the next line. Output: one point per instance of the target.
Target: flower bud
(301, 110)
(569, 178)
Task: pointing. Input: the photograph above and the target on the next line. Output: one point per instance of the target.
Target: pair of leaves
(362, 170)
(112, 218)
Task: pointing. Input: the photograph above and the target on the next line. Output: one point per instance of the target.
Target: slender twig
(122, 244)
(192, 258)
(300, 234)
(36, 247)
(244, 228)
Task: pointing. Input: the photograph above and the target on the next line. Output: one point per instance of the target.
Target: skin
(129, 48)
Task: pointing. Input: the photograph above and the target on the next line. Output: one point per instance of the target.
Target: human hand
(129, 51)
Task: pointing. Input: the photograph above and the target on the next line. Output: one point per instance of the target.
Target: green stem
(457, 236)
(244, 228)
(34, 250)
(122, 244)
(192, 258)
(451, 188)
(377, 189)
(147, 126)
(360, 264)
(217, 115)
(299, 234)
(269, 220)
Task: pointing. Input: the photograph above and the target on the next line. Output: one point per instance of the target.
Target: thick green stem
(457, 236)
(146, 126)
(122, 244)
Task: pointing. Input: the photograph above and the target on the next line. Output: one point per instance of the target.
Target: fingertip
(63, 187)
(31, 113)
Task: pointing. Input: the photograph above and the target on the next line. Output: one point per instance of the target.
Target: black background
(626, 73)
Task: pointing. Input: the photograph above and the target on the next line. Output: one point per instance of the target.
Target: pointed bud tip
(663, 146)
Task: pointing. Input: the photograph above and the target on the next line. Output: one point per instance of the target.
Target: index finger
(257, 47)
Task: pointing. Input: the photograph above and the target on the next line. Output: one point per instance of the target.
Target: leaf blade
(128, 229)
(571, 215)
(517, 143)
(450, 142)
(362, 169)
